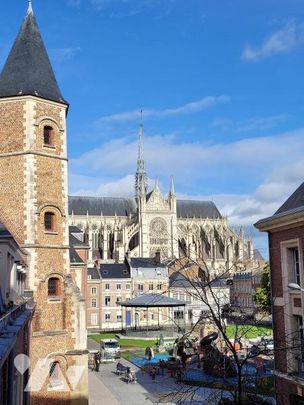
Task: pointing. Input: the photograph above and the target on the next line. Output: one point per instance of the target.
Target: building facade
(34, 208)
(286, 247)
(15, 317)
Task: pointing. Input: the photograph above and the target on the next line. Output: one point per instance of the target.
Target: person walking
(153, 373)
(97, 362)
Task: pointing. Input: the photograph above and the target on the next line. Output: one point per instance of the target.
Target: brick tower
(34, 207)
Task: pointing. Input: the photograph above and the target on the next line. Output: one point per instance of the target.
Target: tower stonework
(34, 207)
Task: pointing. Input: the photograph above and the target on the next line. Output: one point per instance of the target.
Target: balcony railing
(8, 318)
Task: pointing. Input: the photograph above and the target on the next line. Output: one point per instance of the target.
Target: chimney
(157, 257)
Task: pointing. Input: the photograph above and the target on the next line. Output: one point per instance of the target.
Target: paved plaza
(110, 389)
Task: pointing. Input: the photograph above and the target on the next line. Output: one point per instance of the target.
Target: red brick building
(286, 243)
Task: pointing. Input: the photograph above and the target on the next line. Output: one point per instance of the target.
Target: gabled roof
(106, 206)
(291, 210)
(28, 70)
(196, 209)
(296, 200)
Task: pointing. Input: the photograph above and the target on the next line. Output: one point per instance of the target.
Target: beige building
(108, 285)
(34, 209)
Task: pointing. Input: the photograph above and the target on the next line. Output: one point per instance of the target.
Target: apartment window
(94, 303)
(118, 300)
(118, 286)
(128, 299)
(49, 221)
(107, 317)
(140, 288)
(94, 319)
(48, 137)
(107, 287)
(107, 301)
(128, 286)
(178, 315)
(175, 296)
(54, 287)
(93, 290)
(159, 286)
(118, 317)
(296, 265)
(151, 286)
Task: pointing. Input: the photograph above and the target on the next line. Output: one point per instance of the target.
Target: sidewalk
(98, 392)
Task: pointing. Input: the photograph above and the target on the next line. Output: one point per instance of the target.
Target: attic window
(105, 271)
(48, 137)
(125, 272)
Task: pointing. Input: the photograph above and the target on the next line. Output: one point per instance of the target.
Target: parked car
(109, 349)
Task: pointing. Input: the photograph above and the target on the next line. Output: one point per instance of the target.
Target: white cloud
(251, 124)
(274, 165)
(63, 54)
(191, 107)
(282, 41)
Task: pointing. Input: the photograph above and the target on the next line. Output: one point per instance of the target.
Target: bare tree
(228, 358)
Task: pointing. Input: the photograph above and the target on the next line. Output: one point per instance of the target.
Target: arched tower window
(54, 287)
(49, 221)
(48, 135)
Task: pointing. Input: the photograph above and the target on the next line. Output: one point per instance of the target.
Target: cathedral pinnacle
(172, 188)
(141, 176)
(30, 7)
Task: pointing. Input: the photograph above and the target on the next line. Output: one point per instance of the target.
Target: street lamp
(295, 286)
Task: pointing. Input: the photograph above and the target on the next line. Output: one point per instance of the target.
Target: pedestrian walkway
(98, 392)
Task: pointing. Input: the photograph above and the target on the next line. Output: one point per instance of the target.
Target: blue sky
(220, 82)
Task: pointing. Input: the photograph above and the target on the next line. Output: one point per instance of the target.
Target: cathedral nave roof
(123, 207)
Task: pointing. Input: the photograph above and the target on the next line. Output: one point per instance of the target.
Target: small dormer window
(48, 135)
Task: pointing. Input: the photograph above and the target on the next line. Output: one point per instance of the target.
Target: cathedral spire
(141, 176)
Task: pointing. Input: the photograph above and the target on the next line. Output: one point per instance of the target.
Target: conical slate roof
(28, 70)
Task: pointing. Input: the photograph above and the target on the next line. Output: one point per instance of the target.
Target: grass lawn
(248, 331)
(124, 343)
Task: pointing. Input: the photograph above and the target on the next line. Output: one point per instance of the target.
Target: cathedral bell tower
(34, 207)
